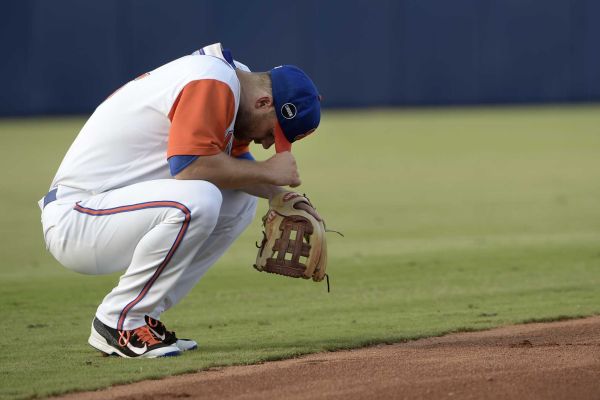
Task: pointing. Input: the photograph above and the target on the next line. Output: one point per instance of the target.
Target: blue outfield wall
(66, 56)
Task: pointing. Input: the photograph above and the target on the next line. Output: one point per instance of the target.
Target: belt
(50, 197)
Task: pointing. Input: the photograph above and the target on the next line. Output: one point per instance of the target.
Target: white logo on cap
(288, 110)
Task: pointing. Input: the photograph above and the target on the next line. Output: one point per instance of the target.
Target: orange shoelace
(143, 333)
(146, 336)
(154, 323)
(124, 337)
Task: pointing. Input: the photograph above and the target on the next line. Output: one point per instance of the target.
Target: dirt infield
(559, 360)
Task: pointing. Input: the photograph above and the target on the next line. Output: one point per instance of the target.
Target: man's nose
(267, 142)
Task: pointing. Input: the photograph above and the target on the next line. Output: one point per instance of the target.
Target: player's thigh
(116, 221)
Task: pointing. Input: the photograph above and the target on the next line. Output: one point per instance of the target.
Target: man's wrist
(265, 175)
(275, 190)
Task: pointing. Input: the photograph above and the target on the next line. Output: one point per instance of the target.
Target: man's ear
(263, 102)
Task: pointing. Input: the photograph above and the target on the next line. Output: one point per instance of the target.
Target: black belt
(50, 197)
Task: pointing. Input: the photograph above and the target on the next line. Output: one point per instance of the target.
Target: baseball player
(160, 182)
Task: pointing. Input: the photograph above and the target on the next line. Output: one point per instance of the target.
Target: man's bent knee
(201, 199)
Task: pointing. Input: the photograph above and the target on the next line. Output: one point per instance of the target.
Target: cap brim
(281, 142)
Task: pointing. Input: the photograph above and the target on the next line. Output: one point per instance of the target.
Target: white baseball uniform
(118, 207)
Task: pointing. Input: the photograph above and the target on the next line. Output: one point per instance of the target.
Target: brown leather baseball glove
(294, 240)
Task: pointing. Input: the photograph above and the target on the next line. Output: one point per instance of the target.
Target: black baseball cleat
(160, 331)
(139, 342)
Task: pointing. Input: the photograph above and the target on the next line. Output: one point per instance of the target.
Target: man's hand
(283, 170)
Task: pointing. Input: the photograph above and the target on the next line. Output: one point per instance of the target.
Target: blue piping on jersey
(228, 57)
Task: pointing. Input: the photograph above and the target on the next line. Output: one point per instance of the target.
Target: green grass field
(454, 219)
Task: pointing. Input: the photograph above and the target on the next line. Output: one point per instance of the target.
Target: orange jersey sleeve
(199, 118)
(239, 147)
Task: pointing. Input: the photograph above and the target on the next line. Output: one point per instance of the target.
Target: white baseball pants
(164, 234)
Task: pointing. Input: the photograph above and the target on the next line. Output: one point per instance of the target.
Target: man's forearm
(226, 172)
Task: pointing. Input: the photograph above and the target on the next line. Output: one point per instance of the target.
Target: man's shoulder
(205, 67)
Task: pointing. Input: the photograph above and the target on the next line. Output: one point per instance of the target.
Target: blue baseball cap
(297, 105)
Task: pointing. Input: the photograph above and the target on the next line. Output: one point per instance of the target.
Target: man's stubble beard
(242, 125)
